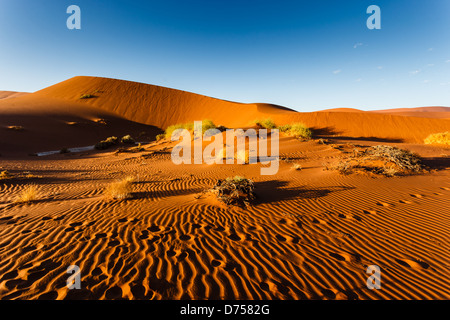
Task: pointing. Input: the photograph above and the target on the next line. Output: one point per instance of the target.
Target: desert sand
(310, 234)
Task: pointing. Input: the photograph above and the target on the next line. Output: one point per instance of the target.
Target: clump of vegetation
(284, 128)
(101, 121)
(161, 136)
(87, 96)
(265, 123)
(108, 142)
(297, 166)
(16, 128)
(404, 159)
(298, 130)
(28, 194)
(120, 189)
(127, 139)
(234, 191)
(438, 138)
(206, 124)
(381, 159)
(5, 175)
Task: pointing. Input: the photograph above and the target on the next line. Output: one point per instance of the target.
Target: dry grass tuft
(16, 128)
(297, 166)
(234, 191)
(28, 194)
(120, 189)
(438, 138)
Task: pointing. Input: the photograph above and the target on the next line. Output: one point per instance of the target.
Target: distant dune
(11, 94)
(131, 107)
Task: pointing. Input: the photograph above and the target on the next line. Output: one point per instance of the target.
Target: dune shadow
(332, 133)
(274, 190)
(438, 163)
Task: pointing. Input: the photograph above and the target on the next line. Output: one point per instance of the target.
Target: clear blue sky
(306, 55)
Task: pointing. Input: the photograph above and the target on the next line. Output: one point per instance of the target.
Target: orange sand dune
(52, 124)
(11, 94)
(310, 234)
(421, 112)
(162, 107)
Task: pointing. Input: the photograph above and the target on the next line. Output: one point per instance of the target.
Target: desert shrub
(86, 96)
(284, 128)
(28, 194)
(127, 139)
(234, 191)
(108, 142)
(381, 159)
(16, 128)
(297, 166)
(402, 158)
(265, 123)
(206, 124)
(101, 121)
(119, 189)
(300, 131)
(438, 138)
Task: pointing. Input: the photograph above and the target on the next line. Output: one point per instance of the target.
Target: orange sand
(310, 235)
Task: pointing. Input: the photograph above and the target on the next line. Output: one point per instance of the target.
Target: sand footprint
(369, 211)
(405, 201)
(417, 195)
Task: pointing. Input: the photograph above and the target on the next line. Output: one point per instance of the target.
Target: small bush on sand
(120, 189)
(86, 96)
(206, 124)
(300, 131)
(108, 142)
(28, 194)
(234, 191)
(16, 128)
(404, 159)
(385, 160)
(297, 166)
(265, 123)
(127, 139)
(284, 128)
(438, 138)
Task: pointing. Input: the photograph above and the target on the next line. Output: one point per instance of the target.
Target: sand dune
(11, 94)
(45, 124)
(160, 107)
(310, 234)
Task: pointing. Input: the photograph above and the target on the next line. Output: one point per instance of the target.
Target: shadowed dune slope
(33, 123)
